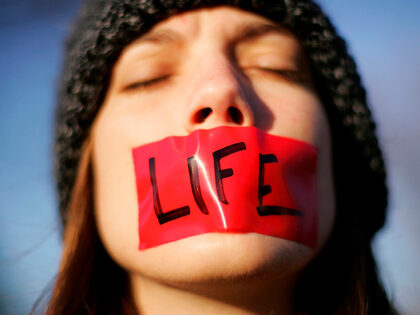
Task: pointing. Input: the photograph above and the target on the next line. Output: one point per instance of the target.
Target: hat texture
(104, 27)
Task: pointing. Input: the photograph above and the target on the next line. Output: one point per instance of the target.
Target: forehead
(216, 17)
(222, 21)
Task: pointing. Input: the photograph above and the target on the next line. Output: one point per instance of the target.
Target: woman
(138, 72)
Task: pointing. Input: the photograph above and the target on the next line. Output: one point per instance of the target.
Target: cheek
(119, 127)
(297, 113)
(122, 124)
(114, 193)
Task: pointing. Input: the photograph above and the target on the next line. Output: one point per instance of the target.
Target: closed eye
(145, 83)
(290, 75)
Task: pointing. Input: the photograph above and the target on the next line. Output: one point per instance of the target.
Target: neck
(274, 296)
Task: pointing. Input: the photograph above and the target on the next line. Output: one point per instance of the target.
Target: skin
(186, 74)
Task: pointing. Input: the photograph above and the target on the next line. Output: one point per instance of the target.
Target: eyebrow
(161, 36)
(243, 32)
(254, 30)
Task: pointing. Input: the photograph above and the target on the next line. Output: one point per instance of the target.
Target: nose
(220, 97)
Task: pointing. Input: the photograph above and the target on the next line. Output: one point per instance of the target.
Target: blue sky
(384, 38)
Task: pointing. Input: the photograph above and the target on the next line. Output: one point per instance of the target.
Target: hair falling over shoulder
(89, 281)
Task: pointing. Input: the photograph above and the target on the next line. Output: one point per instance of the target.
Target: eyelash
(146, 83)
(292, 75)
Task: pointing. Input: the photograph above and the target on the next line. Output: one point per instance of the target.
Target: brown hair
(341, 280)
(89, 281)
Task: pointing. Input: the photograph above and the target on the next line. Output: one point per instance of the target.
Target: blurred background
(384, 38)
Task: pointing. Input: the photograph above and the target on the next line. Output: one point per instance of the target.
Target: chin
(220, 258)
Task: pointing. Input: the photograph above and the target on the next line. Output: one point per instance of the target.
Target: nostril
(236, 115)
(202, 114)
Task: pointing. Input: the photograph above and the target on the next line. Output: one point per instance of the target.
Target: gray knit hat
(105, 27)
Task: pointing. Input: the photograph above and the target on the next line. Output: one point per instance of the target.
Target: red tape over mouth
(227, 179)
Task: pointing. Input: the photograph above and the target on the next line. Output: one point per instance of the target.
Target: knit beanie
(104, 27)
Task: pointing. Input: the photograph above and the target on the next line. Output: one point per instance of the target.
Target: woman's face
(200, 70)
